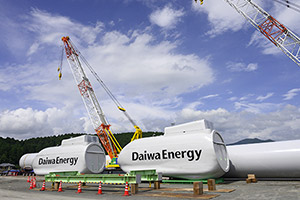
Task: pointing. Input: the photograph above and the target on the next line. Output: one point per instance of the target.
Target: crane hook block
(59, 75)
(201, 1)
(65, 38)
(122, 109)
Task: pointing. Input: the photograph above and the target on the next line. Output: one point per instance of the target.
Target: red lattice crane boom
(277, 33)
(89, 98)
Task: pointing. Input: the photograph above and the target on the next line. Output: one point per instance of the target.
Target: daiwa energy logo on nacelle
(190, 155)
(58, 160)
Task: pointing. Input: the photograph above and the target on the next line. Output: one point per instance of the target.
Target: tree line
(11, 150)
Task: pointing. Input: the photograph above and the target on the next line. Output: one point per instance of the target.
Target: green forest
(12, 149)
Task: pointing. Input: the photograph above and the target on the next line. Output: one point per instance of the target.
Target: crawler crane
(99, 121)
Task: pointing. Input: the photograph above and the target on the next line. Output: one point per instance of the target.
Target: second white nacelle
(83, 154)
(189, 150)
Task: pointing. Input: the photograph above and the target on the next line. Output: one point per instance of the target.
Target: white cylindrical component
(83, 154)
(265, 160)
(192, 154)
(26, 161)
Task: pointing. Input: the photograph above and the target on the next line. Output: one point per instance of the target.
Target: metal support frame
(75, 177)
(148, 175)
(134, 177)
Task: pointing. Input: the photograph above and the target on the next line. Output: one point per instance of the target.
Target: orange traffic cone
(31, 187)
(28, 180)
(60, 189)
(79, 187)
(126, 190)
(34, 183)
(100, 188)
(44, 186)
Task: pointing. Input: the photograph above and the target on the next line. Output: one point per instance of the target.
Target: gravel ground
(18, 188)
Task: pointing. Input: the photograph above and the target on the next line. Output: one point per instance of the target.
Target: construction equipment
(201, 1)
(99, 121)
(277, 33)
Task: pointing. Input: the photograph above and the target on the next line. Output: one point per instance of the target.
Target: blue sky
(166, 62)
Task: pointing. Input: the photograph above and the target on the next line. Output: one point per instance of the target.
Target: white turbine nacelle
(191, 150)
(26, 161)
(83, 154)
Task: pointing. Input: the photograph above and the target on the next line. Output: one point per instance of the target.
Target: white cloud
(13, 35)
(23, 123)
(256, 107)
(246, 97)
(16, 77)
(267, 47)
(291, 94)
(167, 17)
(40, 27)
(262, 98)
(221, 17)
(141, 65)
(286, 16)
(49, 28)
(210, 96)
(280, 124)
(145, 75)
(148, 69)
(227, 81)
(232, 98)
(239, 67)
(33, 48)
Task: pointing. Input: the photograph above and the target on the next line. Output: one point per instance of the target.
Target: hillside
(250, 141)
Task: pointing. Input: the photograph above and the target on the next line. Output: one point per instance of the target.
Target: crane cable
(289, 4)
(59, 69)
